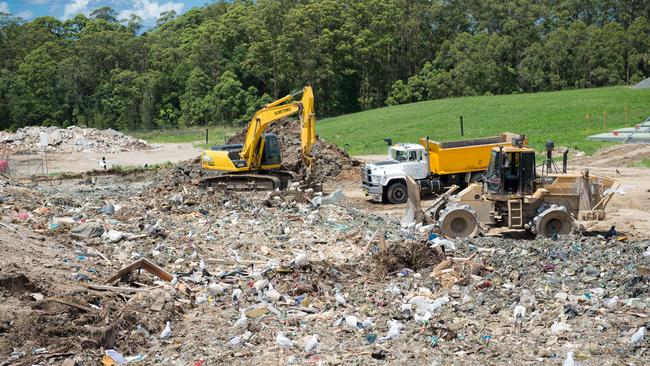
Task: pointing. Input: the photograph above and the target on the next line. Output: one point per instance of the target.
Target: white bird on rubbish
(300, 260)
(242, 321)
(272, 294)
(406, 310)
(260, 285)
(422, 319)
(167, 332)
(353, 321)
(202, 264)
(312, 344)
(518, 316)
(283, 341)
(638, 336)
(340, 300)
(393, 331)
(215, 289)
(568, 361)
(236, 295)
(367, 324)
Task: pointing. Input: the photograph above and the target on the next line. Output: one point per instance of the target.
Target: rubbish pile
(72, 139)
(136, 270)
(331, 160)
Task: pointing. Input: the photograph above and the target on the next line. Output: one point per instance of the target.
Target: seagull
(406, 310)
(312, 344)
(638, 336)
(272, 294)
(202, 264)
(300, 260)
(260, 285)
(353, 321)
(393, 331)
(242, 321)
(215, 289)
(340, 300)
(367, 324)
(236, 295)
(422, 319)
(167, 332)
(611, 233)
(283, 341)
(569, 360)
(518, 315)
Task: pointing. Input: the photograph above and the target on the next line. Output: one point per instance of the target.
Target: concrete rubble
(208, 278)
(27, 140)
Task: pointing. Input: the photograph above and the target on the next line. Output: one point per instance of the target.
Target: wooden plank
(145, 264)
(69, 303)
(117, 289)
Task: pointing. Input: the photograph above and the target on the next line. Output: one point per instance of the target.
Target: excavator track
(260, 180)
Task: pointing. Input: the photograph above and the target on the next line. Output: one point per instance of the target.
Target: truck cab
(386, 180)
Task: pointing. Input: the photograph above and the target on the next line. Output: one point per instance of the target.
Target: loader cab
(511, 171)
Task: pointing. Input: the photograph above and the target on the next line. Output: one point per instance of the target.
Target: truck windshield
(399, 155)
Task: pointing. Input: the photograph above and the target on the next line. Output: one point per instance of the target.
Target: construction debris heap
(330, 159)
(27, 140)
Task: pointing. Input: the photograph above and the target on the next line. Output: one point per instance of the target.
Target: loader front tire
(554, 221)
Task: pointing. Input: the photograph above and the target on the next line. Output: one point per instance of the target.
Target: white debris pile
(71, 139)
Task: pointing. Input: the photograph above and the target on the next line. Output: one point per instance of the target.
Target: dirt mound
(330, 159)
(617, 155)
(71, 139)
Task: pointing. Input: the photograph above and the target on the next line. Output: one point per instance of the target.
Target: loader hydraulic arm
(282, 108)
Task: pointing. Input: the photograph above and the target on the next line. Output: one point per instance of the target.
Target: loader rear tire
(397, 193)
(458, 222)
(554, 221)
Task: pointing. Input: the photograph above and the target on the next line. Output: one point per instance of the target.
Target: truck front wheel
(397, 193)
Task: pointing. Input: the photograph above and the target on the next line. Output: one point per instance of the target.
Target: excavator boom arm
(277, 110)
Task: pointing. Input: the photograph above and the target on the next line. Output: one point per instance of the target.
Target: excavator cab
(271, 154)
(511, 171)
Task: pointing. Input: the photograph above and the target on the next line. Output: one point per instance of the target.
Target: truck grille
(365, 175)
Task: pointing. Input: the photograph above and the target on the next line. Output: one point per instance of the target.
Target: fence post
(462, 130)
(206, 135)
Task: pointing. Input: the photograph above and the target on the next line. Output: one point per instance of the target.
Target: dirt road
(85, 161)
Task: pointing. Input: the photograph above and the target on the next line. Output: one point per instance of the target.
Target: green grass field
(194, 135)
(558, 116)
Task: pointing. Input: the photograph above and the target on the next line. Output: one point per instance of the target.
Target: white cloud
(4, 7)
(75, 7)
(150, 9)
(25, 14)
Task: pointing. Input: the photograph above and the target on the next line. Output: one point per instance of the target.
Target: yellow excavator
(257, 163)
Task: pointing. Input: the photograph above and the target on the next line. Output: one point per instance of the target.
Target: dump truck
(435, 166)
(515, 195)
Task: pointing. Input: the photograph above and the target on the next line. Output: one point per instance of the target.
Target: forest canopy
(219, 63)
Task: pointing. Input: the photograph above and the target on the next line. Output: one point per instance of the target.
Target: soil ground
(49, 314)
(79, 162)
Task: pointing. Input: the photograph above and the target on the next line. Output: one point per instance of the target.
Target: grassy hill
(558, 116)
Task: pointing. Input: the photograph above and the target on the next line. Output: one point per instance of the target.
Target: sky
(148, 10)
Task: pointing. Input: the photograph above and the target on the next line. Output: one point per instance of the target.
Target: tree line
(219, 63)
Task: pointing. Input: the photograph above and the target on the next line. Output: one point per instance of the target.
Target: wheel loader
(513, 195)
